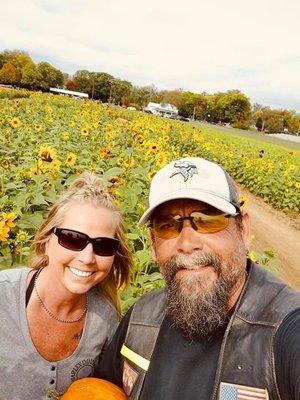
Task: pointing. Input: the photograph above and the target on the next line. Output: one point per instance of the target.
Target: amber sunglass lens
(209, 223)
(166, 227)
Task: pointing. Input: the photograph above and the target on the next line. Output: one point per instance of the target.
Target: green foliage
(193, 105)
(275, 121)
(17, 57)
(31, 77)
(13, 94)
(267, 259)
(50, 76)
(9, 74)
(230, 107)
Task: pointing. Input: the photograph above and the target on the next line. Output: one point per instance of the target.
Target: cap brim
(211, 199)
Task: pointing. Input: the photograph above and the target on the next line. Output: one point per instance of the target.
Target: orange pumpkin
(93, 389)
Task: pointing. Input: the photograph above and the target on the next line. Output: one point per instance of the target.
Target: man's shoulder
(150, 306)
(266, 297)
(152, 296)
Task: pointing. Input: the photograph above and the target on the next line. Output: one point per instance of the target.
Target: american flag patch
(230, 391)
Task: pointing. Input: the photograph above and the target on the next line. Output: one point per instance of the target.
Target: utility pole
(110, 91)
(194, 113)
(93, 88)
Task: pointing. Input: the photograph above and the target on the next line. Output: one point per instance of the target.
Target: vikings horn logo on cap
(186, 169)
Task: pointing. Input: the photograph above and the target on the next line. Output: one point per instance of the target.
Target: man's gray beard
(195, 307)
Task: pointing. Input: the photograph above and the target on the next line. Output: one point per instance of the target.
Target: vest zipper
(220, 361)
(222, 351)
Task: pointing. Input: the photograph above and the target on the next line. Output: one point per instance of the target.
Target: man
(223, 328)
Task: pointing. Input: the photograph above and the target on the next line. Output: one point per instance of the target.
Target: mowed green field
(252, 134)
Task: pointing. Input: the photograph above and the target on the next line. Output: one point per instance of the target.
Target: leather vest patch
(231, 391)
(129, 378)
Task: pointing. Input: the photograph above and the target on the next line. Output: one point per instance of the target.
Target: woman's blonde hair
(87, 188)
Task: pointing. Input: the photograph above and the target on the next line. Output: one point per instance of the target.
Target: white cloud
(201, 46)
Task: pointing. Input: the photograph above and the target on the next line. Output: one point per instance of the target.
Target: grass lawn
(251, 135)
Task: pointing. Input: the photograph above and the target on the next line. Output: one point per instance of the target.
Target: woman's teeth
(78, 272)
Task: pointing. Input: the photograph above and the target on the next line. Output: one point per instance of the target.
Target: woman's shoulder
(13, 275)
(100, 301)
(103, 311)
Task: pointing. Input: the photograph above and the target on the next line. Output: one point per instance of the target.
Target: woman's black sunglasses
(77, 241)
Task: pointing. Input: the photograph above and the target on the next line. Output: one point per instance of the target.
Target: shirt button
(53, 368)
(52, 381)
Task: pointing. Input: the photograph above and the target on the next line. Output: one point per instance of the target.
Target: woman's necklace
(66, 321)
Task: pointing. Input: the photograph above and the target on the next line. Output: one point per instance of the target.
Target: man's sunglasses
(77, 241)
(170, 226)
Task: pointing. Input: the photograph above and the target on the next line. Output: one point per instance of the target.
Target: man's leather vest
(246, 356)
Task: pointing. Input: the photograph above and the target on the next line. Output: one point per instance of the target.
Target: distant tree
(141, 95)
(259, 123)
(9, 74)
(2, 60)
(31, 77)
(103, 85)
(171, 97)
(66, 77)
(237, 109)
(193, 105)
(18, 58)
(231, 107)
(290, 121)
(99, 85)
(70, 85)
(215, 112)
(83, 81)
(50, 76)
(120, 91)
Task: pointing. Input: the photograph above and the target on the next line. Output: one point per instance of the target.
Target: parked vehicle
(179, 118)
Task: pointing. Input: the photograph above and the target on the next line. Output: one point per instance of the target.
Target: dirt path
(273, 229)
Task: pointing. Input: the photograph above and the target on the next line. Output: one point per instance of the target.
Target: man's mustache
(192, 262)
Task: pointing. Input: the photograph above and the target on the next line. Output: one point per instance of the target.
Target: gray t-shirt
(24, 373)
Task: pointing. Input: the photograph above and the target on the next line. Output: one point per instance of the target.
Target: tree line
(232, 107)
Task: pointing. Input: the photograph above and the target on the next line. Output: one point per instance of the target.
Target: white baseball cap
(193, 178)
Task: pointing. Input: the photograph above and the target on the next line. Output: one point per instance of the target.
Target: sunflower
(38, 127)
(104, 152)
(47, 154)
(71, 159)
(162, 159)
(153, 149)
(139, 139)
(117, 181)
(9, 218)
(22, 236)
(4, 231)
(84, 131)
(5, 164)
(15, 122)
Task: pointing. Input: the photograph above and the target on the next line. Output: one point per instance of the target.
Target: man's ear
(246, 230)
(152, 245)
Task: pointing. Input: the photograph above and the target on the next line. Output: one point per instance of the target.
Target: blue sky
(194, 45)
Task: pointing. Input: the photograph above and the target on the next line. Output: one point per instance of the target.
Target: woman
(57, 316)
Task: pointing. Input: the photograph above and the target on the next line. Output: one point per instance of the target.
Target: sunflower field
(47, 141)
